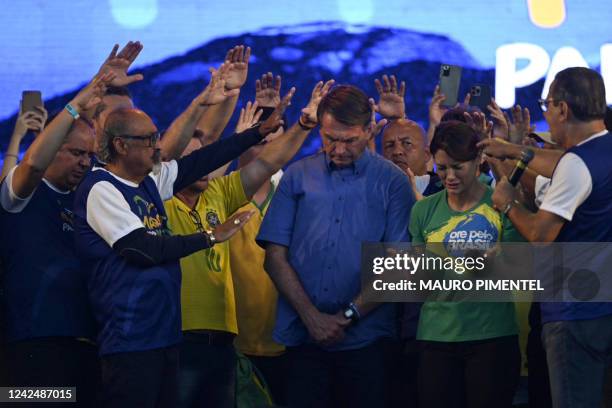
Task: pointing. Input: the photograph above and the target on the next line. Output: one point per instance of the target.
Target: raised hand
(497, 148)
(249, 116)
(238, 60)
(275, 121)
(501, 128)
(267, 91)
(92, 94)
(375, 127)
(33, 120)
(391, 103)
(119, 63)
(436, 110)
(412, 179)
(520, 125)
(232, 225)
(478, 122)
(216, 91)
(466, 101)
(309, 113)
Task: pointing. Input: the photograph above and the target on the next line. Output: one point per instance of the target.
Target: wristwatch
(351, 313)
(509, 206)
(210, 237)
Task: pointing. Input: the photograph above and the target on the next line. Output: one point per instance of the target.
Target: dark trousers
(404, 375)
(274, 371)
(578, 353)
(55, 362)
(207, 370)
(143, 379)
(484, 372)
(351, 378)
(538, 383)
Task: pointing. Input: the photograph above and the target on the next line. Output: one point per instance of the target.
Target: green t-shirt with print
(432, 221)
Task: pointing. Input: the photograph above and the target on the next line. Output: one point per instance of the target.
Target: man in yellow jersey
(255, 293)
(207, 361)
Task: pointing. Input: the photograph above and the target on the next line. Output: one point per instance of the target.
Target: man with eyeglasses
(326, 205)
(577, 207)
(49, 324)
(130, 257)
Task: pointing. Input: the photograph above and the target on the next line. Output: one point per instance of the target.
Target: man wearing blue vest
(49, 326)
(130, 258)
(577, 208)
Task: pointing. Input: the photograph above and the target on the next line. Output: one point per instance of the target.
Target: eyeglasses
(153, 138)
(544, 103)
(195, 218)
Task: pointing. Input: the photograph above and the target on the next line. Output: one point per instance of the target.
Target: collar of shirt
(596, 135)
(199, 207)
(358, 166)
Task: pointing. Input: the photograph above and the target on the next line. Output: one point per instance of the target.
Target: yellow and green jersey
(207, 288)
(433, 221)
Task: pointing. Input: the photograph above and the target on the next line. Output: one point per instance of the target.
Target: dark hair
(456, 114)
(608, 119)
(347, 104)
(457, 139)
(111, 90)
(118, 90)
(583, 90)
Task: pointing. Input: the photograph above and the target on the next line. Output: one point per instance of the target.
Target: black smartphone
(30, 99)
(480, 96)
(450, 77)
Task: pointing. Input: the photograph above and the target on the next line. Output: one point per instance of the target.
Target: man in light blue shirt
(327, 205)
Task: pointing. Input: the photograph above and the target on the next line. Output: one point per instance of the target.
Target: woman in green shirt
(470, 354)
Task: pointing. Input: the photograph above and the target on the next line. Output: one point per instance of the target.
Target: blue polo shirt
(323, 214)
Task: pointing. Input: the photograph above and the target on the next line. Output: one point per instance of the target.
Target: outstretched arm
(544, 160)
(215, 119)
(42, 151)
(391, 103)
(32, 120)
(278, 152)
(181, 130)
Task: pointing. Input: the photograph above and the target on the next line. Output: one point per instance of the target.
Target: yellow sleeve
(228, 190)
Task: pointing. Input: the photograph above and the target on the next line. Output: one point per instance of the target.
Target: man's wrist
(394, 118)
(73, 109)
(513, 152)
(309, 314)
(263, 105)
(196, 107)
(508, 207)
(210, 238)
(351, 312)
(239, 87)
(305, 126)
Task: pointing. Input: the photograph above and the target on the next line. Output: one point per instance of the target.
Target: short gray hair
(116, 124)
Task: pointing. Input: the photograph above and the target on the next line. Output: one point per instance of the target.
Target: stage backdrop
(516, 46)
